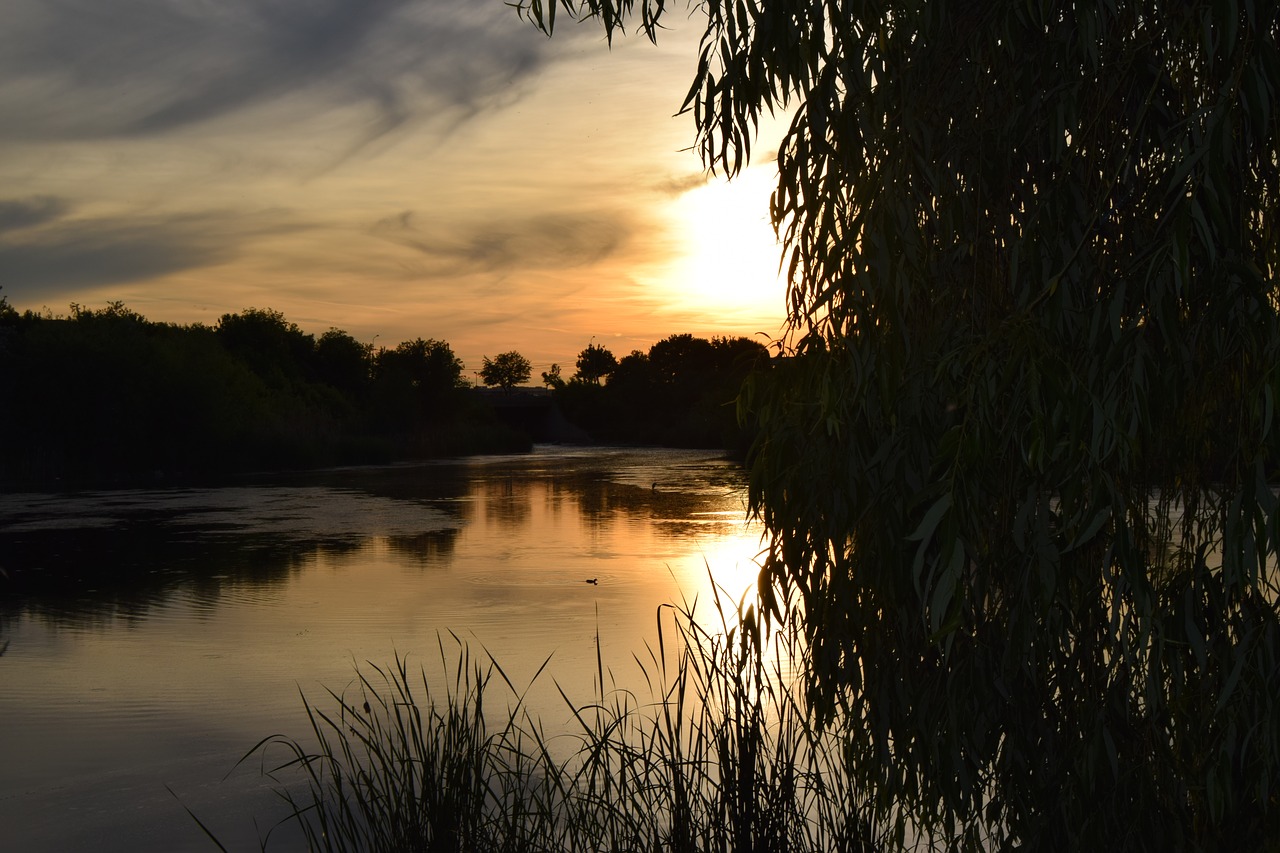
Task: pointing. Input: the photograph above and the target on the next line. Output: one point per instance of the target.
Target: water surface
(153, 636)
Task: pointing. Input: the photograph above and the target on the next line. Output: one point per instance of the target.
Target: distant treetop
(506, 370)
(594, 363)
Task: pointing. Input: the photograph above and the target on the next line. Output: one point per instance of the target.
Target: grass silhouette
(719, 756)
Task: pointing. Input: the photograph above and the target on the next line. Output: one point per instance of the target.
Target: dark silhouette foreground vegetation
(721, 755)
(1016, 473)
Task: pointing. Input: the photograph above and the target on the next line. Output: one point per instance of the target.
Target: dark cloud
(682, 184)
(16, 214)
(515, 243)
(43, 264)
(83, 69)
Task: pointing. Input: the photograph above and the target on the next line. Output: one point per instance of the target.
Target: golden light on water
(733, 561)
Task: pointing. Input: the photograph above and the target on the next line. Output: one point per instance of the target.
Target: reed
(719, 756)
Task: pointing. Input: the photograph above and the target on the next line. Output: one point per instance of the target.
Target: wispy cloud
(83, 70)
(16, 214)
(66, 254)
(527, 242)
(681, 184)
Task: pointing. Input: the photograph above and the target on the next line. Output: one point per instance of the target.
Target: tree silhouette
(552, 379)
(595, 363)
(680, 393)
(275, 348)
(342, 361)
(506, 370)
(429, 366)
(106, 396)
(1014, 466)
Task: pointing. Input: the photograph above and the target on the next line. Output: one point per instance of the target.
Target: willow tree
(1015, 475)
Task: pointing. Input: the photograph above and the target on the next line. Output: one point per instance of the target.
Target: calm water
(153, 636)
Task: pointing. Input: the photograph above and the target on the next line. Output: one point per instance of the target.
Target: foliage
(275, 349)
(8, 323)
(671, 358)
(416, 383)
(506, 370)
(1015, 471)
(7, 311)
(721, 757)
(342, 362)
(552, 379)
(679, 393)
(594, 364)
(106, 396)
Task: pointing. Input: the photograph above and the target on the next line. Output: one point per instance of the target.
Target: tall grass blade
(720, 756)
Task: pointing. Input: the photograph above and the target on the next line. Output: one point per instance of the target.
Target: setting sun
(729, 265)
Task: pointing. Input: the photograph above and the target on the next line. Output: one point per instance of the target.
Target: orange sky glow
(394, 168)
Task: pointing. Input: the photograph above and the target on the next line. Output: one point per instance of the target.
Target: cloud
(67, 255)
(16, 214)
(680, 184)
(529, 242)
(85, 70)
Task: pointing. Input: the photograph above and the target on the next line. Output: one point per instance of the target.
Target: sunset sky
(394, 168)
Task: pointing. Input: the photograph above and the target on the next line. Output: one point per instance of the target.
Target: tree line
(107, 396)
(682, 393)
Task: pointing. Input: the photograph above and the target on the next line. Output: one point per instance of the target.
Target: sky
(393, 168)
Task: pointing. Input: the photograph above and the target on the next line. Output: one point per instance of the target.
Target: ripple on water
(297, 512)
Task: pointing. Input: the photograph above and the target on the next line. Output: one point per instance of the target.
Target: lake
(152, 636)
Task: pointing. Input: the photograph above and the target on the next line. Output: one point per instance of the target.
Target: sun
(730, 255)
